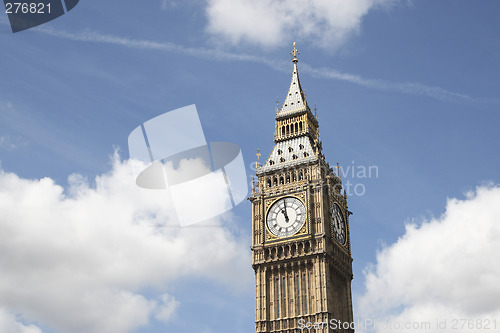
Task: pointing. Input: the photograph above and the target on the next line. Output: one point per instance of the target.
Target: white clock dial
(338, 224)
(286, 216)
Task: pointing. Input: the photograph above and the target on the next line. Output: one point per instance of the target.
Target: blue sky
(408, 87)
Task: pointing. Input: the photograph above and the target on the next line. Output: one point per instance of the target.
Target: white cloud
(76, 259)
(167, 308)
(446, 268)
(329, 23)
(9, 324)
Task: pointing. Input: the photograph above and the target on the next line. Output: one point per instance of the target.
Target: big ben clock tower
(300, 221)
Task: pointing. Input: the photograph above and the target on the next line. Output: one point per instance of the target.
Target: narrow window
(277, 297)
(311, 290)
(283, 292)
(289, 291)
(297, 294)
(304, 287)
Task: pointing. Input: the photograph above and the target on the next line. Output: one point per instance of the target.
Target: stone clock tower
(300, 221)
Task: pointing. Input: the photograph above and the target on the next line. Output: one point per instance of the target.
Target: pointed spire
(295, 100)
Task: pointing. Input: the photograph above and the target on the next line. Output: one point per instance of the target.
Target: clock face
(338, 224)
(286, 216)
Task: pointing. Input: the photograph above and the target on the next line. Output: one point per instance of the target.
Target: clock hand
(284, 211)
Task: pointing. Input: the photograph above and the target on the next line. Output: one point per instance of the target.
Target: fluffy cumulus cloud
(71, 257)
(443, 275)
(328, 23)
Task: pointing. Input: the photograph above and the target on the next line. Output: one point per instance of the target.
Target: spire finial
(294, 52)
(258, 157)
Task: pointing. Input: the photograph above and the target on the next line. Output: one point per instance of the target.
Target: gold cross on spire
(294, 52)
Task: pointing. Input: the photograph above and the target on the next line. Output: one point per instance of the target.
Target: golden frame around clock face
(301, 227)
(286, 217)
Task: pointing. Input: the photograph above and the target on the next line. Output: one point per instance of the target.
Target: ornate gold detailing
(294, 52)
(304, 230)
(269, 202)
(269, 235)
